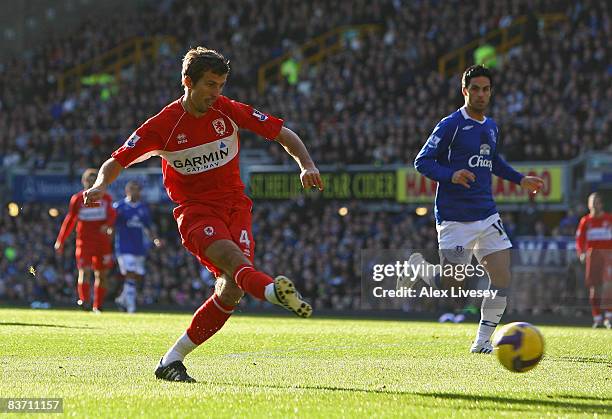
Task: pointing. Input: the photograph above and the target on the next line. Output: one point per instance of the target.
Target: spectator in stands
(555, 115)
(325, 258)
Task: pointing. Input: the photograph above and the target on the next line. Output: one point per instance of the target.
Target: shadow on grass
(44, 325)
(585, 359)
(605, 405)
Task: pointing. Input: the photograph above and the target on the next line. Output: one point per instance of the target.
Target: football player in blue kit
(133, 230)
(462, 154)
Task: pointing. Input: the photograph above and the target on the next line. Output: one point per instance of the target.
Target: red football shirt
(199, 155)
(594, 233)
(89, 221)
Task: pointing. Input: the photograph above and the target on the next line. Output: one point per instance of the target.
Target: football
(519, 346)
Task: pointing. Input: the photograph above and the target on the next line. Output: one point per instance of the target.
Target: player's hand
(532, 184)
(311, 177)
(59, 247)
(106, 229)
(582, 258)
(463, 177)
(92, 196)
(158, 243)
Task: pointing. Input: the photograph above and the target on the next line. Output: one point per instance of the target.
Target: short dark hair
(87, 173)
(133, 183)
(477, 70)
(199, 60)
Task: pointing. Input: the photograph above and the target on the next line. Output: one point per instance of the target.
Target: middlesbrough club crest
(219, 126)
(181, 138)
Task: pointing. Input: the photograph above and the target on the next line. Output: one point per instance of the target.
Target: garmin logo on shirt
(599, 233)
(203, 157)
(93, 213)
(205, 161)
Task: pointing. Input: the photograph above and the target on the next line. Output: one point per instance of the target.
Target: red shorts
(200, 225)
(598, 267)
(94, 258)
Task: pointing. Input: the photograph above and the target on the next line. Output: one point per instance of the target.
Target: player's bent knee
(447, 278)
(83, 273)
(226, 255)
(500, 278)
(504, 283)
(100, 275)
(228, 291)
(231, 296)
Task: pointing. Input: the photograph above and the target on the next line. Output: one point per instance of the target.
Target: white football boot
(417, 259)
(482, 347)
(121, 302)
(447, 317)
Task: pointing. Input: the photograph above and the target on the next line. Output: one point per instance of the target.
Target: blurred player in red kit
(594, 247)
(93, 241)
(197, 138)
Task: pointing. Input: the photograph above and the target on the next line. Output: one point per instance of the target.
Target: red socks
(99, 293)
(208, 319)
(595, 301)
(212, 315)
(83, 291)
(605, 302)
(252, 281)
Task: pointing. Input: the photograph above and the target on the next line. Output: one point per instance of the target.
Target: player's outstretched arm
(152, 235)
(581, 240)
(67, 225)
(309, 175)
(109, 171)
(502, 169)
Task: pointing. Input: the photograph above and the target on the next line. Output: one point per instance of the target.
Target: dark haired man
(197, 138)
(461, 155)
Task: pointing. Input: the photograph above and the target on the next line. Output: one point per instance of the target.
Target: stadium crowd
(324, 257)
(381, 95)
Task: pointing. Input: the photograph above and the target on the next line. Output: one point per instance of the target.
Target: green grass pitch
(259, 366)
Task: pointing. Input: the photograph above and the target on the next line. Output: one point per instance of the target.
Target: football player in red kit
(197, 138)
(594, 246)
(93, 240)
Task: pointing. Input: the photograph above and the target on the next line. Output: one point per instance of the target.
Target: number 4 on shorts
(244, 238)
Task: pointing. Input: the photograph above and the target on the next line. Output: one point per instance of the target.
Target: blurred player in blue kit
(133, 230)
